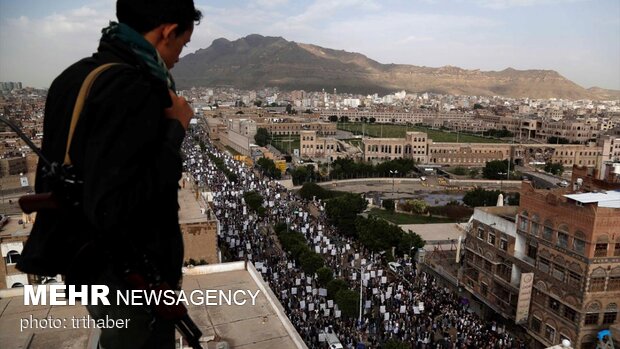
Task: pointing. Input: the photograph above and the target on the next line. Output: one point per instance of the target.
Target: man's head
(167, 24)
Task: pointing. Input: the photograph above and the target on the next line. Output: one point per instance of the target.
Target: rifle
(65, 186)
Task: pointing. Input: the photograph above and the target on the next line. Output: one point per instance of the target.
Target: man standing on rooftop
(126, 150)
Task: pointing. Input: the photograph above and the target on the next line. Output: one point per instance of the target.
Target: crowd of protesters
(407, 306)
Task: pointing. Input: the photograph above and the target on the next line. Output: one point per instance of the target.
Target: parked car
(395, 267)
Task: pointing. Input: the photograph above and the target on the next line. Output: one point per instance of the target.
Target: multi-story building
(294, 128)
(413, 146)
(313, 146)
(552, 265)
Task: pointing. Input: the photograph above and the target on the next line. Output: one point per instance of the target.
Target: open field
(398, 131)
(282, 143)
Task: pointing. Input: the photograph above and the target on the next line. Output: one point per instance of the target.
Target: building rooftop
(609, 199)
(263, 325)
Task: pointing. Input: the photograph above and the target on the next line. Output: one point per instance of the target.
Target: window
(484, 289)
(503, 244)
(554, 304)
(574, 278)
(597, 284)
(523, 224)
(600, 250)
(532, 249)
(579, 245)
(570, 314)
(547, 233)
(609, 318)
(12, 257)
(558, 272)
(562, 240)
(536, 323)
(480, 233)
(614, 283)
(591, 319)
(617, 250)
(550, 333)
(487, 265)
(491, 238)
(544, 265)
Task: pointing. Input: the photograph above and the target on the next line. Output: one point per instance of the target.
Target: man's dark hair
(146, 15)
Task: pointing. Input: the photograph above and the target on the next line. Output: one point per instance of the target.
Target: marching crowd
(408, 306)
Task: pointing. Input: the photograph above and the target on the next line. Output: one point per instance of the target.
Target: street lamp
(501, 180)
(393, 173)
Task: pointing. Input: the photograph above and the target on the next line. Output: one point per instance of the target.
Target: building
(413, 146)
(198, 223)
(313, 146)
(13, 166)
(552, 265)
(239, 135)
(262, 325)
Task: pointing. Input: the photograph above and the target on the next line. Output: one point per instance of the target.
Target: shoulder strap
(79, 103)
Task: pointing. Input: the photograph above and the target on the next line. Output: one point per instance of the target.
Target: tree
(311, 262)
(459, 171)
(334, 286)
(480, 197)
(348, 302)
(262, 137)
(473, 173)
(312, 190)
(557, 140)
(495, 169)
(344, 119)
(418, 206)
(324, 276)
(289, 109)
(253, 199)
(372, 120)
(388, 205)
(333, 118)
(258, 103)
(343, 210)
(478, 106)
(269, 168)
(554, 168)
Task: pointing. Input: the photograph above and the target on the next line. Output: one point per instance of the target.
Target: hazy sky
(578, 38)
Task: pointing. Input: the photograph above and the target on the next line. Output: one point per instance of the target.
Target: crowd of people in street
(407, 305)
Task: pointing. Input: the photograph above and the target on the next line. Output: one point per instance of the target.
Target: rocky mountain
(257, 61)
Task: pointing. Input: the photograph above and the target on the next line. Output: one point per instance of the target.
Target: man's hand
(180, 110)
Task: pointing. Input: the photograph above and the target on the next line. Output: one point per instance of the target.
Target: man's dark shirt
(127, 154)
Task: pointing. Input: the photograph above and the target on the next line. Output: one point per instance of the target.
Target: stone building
(555, 268)
(413, 146)
(313, 146)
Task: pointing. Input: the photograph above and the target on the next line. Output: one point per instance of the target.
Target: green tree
(311, 262)
(324, 276)
(333, 118)
(258, 103)
(418, 206)
(343, 210)
(459, 171)
(289, 109)
(473, 173)
(253, 199)
(557, 140)
(269, 168)
(262, 137)
(313, 190)
(554, 168)
(495, 169)
(388, 205)
(334, 286)
(348, 302)
(480, 197)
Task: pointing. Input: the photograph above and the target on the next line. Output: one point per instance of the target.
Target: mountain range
(256, 61)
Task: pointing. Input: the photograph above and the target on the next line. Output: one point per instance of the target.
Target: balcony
(523, 257)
